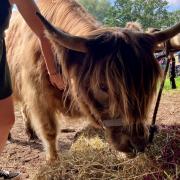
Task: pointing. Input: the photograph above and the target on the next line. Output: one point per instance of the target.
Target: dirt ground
(27, 157)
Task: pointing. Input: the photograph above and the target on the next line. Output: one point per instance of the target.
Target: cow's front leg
(51, 152)
(49, 135)
(45, 125)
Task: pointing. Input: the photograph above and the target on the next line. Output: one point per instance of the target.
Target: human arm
(28, 9)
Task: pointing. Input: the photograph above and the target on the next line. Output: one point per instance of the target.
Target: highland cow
(111, 75)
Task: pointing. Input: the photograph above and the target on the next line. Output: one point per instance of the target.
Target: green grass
(167, 85)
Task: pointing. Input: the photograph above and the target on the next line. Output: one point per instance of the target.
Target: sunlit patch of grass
(167, 85)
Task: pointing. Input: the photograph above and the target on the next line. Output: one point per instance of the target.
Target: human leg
(7, 119)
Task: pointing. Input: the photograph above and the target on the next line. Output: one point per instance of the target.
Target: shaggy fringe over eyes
(123, 62)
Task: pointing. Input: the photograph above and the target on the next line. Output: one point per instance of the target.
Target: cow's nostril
(132, 148)
(133, 153)
(140, 145)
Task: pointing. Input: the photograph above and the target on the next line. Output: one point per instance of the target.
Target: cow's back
(27, 66)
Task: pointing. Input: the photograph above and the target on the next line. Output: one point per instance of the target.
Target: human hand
(57, 81)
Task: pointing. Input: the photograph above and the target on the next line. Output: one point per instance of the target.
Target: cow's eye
(103, 87)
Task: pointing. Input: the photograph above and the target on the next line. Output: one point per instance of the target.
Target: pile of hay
(94, 159)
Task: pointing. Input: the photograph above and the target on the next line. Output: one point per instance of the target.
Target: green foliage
(150, 13)
(98, 8)
(174, 17)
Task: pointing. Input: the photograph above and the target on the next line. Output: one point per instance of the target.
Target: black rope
(153, 127)
(173, 72)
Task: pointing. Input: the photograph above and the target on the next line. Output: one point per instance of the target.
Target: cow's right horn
(64, 39)
(166, 34)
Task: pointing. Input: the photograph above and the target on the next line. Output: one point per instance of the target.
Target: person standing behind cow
(28, 10)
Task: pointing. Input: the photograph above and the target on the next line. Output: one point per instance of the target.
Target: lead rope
(153, 127)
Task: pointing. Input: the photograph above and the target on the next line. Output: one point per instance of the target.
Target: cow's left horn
(166, 34)
(66, 40)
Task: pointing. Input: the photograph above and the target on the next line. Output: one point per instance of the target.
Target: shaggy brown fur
(135, 26)
(116, 78)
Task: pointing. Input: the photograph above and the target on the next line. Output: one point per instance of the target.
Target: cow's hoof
(10, 137)
(90, 132)
(31, 135)
(51, 159)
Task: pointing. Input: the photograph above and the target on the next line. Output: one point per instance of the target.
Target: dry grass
(94, 159)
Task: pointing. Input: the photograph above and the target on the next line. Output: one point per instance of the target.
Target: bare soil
(28, 157)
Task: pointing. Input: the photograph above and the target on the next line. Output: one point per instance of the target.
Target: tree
(174, 17)
(98, 8)
(150, 13)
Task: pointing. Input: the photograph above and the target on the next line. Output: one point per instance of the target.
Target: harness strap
(153, 127)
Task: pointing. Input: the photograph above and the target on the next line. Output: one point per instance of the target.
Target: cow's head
(113, 75)
(135, 26)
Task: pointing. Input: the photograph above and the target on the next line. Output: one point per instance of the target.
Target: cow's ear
(167, 34)
(62, 38)
(175, 42)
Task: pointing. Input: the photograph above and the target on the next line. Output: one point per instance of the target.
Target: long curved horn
(174, 44)
(66, 40)
(166, 34)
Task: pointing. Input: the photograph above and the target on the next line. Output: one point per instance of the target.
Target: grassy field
(167, 85)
